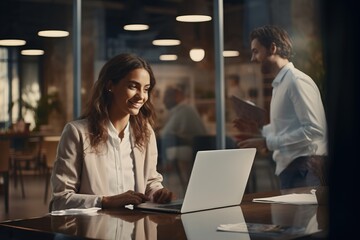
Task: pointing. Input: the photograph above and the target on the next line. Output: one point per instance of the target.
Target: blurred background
(27, 79)
(42, 90)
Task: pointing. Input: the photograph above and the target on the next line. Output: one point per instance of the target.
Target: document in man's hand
(248, 111)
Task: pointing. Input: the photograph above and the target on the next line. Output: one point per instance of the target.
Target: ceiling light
(53, 24)
(168, 57)
(53, 33)
(166, 37)
(136, 18)
(166, 42)
(193, 18)
(32, 52)
(194, 11)
(12, 42)
(136, 27)
(197, 54)
(231, 53)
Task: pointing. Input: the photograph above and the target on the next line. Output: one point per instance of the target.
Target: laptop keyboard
(171, 206)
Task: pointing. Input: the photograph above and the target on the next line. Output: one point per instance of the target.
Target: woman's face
(130, 93)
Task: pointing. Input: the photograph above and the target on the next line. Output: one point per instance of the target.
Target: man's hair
(268, 34)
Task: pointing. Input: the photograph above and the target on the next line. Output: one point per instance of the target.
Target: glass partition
(103, 36)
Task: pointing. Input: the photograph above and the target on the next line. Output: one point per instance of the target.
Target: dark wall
(341, 31)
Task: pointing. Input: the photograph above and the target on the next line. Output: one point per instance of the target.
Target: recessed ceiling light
(166, 42)
(32, 52)
(12, 42)
(193, 18)
(231, 53)
(136, 27)
(53, 33)
(194, 11)
(168, 57)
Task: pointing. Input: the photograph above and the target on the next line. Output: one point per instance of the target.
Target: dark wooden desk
(152, 225)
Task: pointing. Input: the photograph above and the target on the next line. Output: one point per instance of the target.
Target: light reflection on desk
(143, 225)
(203, 225)
(197, 225)
(123, 224)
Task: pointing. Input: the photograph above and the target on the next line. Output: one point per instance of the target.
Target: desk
(140, 225)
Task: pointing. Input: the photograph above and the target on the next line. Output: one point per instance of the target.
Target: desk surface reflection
(140, 225)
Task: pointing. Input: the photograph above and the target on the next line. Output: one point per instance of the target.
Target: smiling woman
(128, 96)
(111, 152)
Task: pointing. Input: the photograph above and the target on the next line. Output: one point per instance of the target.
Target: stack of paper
(293, 198)
(244, 227)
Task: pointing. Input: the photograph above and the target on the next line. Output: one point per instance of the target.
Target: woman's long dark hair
(97, 108)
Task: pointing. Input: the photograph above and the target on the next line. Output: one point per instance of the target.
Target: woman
(108, 158)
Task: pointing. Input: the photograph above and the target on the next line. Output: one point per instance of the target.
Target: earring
(109, 90)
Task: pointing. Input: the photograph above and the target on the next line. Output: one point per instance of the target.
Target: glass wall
(103, 36)
(9, 88)
(34, 80)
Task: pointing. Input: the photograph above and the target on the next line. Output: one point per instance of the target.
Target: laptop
(218, 179)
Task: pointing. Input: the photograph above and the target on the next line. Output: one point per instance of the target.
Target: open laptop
(218, 179)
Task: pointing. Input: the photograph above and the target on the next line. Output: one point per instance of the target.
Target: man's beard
(266, 67)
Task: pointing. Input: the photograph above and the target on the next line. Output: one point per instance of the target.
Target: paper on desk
(244, 227)
(235, 227)
(293, 198)
(76, 211)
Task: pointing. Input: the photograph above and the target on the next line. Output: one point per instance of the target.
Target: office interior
(68, 66)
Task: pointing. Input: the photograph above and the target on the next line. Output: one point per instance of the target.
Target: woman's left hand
(162, 196)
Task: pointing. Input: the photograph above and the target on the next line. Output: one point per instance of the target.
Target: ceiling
(26, 17)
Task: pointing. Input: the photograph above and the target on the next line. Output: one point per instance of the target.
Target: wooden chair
(4, 169)
(26, 158)
(49, 151)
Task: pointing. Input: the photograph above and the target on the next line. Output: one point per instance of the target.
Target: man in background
(182, 124)
(183, 119)
(297, 132)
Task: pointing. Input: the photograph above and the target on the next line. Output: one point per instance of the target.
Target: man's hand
(258, 143)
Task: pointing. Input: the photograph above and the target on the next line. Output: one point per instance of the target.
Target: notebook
(248, 111)
(218, 179)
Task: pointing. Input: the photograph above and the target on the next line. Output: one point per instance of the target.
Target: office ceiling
(26, 17)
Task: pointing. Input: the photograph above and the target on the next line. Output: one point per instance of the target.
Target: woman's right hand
(123, 199)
